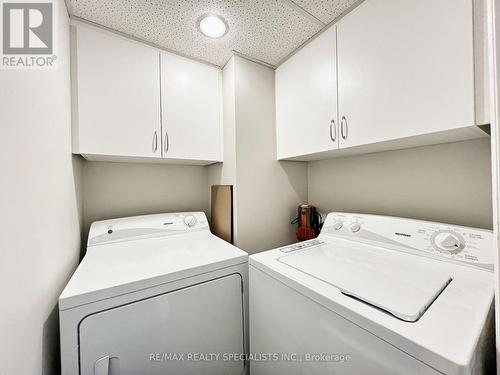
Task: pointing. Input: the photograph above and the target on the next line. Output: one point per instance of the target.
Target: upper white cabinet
(190, 102)
(407, 74)
(132, 102)
(306, 99)
(406, 68)
(116, 100)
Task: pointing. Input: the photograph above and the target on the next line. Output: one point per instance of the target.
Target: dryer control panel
(468, 246)
(131, 228)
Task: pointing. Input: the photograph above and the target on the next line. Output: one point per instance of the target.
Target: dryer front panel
(193, 330)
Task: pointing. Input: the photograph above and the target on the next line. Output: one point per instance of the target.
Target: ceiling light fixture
(212, 26)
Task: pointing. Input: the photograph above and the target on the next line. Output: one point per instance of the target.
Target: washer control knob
(189, 220)
(448, 242)
(355, 227)
(338, 225)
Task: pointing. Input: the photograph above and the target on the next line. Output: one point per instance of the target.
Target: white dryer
(156, 294)
(375, 295)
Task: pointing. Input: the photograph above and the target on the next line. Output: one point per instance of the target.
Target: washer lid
(392, 281)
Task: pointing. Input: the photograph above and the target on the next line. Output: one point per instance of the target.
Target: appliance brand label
(402, 234)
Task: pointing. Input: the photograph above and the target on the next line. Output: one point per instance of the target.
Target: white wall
(39, 216)
(493, 19)
(448, 183)
(112, 190)
(267, 192)
(225, 173)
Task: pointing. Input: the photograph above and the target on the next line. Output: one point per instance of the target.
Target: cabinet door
(190, 98)
(405, 68)
(117, 96)
(306, 99)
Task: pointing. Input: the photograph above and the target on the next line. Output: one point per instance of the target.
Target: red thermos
(308, 222)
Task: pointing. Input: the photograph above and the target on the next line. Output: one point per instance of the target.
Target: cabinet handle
(165, 148)
(343, 125)
(155, 141)
(333, 131)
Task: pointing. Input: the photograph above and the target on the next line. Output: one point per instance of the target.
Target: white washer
(375, 295)
(156, 294)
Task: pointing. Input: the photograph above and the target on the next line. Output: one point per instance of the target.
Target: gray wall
(39, 210)
(112, 190)
(448, 183)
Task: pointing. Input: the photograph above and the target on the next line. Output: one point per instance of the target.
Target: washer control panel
(468, 246)
(301, 245)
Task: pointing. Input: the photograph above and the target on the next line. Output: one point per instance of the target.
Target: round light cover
(213, 26)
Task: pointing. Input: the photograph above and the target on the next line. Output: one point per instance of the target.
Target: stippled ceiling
(265, 30)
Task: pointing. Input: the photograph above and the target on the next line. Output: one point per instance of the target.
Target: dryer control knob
(189, 220)
(355, 228)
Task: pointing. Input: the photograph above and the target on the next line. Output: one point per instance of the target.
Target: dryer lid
(392, 281)
(119, 268)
